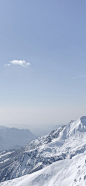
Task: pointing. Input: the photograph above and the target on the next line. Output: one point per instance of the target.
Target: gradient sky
(42, 61)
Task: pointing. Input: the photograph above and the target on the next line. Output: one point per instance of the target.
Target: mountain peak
(83, 120)
(77, 126)
(74, 128)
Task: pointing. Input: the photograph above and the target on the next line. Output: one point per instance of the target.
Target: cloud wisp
(79, 77)
(22, 63)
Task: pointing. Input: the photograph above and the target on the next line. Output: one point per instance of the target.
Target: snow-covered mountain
(68, 172)
(13, 138)
(64, 148)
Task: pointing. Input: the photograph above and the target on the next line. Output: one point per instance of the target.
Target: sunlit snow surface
(69, 172)
(64, 149)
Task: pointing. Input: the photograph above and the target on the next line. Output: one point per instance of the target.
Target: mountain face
(12, 138)
(68, 172)
(60, 146)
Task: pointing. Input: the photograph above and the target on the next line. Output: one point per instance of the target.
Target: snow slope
(13, 138)
(60, 145)
(68, 172)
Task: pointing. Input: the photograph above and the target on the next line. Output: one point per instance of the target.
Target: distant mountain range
(39, 131)
(13, 138)
(58, 158)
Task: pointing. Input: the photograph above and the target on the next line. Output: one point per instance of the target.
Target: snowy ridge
(71, 172)
(61, 145)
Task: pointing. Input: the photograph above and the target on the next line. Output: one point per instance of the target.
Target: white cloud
(79, 77)
(7, 64)
(22, 63)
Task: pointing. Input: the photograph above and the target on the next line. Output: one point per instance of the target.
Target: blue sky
(42, 50)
